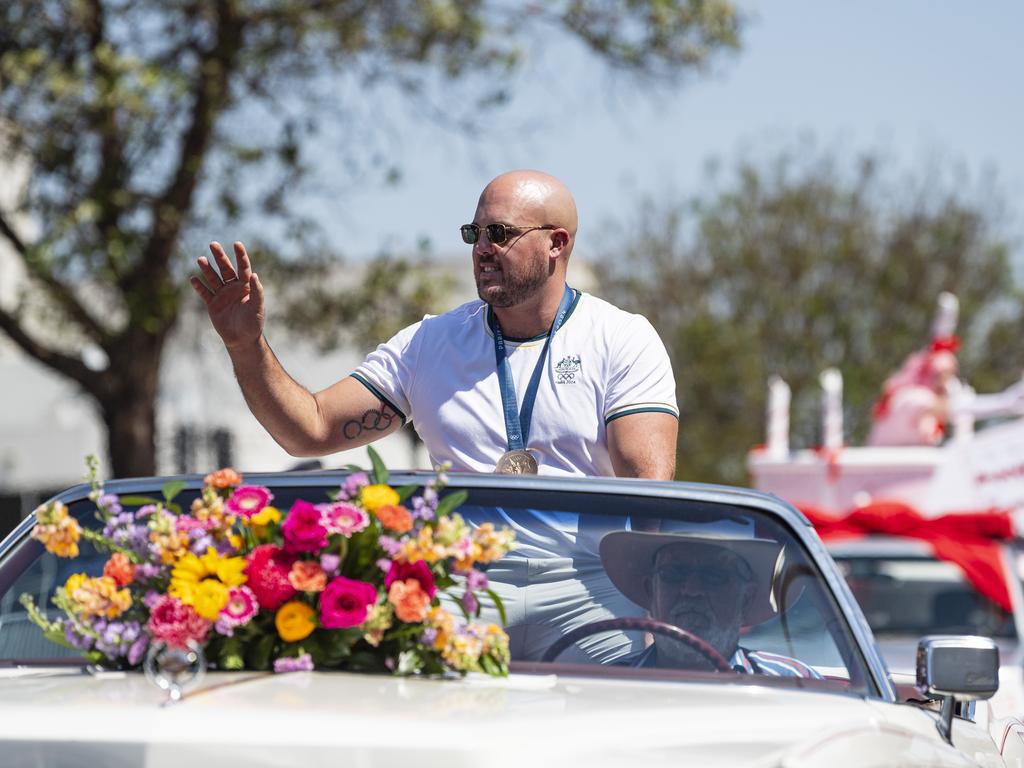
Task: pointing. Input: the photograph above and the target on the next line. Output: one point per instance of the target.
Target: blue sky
(918, 81)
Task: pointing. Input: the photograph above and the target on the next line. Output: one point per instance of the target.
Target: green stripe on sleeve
(378, 394)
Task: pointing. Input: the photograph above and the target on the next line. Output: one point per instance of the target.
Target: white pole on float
(832, 408)
(777, 446)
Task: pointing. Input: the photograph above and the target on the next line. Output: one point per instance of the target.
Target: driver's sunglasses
(708, 576)
(496, 233)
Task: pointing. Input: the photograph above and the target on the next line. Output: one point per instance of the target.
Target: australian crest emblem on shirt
(566, 369)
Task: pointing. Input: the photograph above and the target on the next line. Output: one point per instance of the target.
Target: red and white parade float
(923, 519)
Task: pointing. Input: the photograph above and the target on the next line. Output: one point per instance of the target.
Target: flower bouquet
(354, 582)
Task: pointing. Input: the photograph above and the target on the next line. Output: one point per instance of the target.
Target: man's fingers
(227, 269)
(244, 266)
(204, 293)
(256, 292)
(212, 278)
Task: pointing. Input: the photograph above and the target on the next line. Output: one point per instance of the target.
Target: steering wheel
(645, 625)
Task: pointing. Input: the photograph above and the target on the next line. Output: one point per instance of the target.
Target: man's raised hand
(233, 298)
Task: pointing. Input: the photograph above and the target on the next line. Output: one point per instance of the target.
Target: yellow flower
(262, 520)
(375, 496)
(294, 621)
(209, 598)
(203, 582)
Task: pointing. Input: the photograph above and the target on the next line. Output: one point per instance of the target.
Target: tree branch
(64, 364)
(212, 91)
(57, 290)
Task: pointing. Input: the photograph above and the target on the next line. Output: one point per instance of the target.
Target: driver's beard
(676, 653)
(515, 288)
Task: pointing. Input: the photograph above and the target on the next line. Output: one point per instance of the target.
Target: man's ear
(559, 239)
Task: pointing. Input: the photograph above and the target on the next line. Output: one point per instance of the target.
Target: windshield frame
(786, 515)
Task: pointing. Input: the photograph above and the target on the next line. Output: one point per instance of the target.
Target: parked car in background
(619, 656)
(906, 592)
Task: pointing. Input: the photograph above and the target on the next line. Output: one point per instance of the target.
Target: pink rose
(303, 529)
(346, 602)
(418, 570)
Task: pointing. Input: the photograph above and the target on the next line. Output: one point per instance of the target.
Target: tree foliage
(801, 264)
(145, 121)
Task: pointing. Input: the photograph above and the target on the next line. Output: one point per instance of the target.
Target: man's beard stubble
(514, 288)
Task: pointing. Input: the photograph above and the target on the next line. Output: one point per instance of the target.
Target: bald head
(533, 197)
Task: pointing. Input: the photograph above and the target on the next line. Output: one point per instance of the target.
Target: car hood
(337, 718)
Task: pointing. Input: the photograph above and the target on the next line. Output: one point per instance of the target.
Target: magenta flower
(303, 529)
(418, 570)
(174, 623)
(343, 518)
(240, 609)
(248, 500)
(346, 602)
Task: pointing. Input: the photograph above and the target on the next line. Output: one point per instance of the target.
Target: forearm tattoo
(373, 420)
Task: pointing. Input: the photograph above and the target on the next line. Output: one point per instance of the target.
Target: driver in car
(708, 586)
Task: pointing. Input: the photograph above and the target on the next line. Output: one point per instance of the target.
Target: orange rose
(120, 569)
(294, 621)
(410, 601)
(307, 576)
(395, 518)
(223, 478)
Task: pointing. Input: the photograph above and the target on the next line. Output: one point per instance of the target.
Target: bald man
(535, 377)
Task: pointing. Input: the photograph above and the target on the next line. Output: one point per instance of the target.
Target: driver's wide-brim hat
(628, 559)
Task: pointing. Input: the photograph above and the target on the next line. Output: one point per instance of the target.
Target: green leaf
(258, 653)
(139, 501)
(450, 502)
(406, 491)
(171, 489)
(353, 468)
(499, 605)
(380, 472)
(230, 656)
(490, 666)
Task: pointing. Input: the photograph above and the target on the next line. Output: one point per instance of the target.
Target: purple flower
(389, 545)
(476, 580)
(353, 484)
(330, 562)
(470, 603)
(150, 598)
(110, 503)
(428, 637)
(384, 564)
(82, 642)
(138, 649)
(303, 663)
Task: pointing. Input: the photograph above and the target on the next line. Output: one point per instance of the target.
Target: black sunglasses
(496, 233)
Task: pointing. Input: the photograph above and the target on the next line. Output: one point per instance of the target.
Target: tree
(797, 265)
(143, 121)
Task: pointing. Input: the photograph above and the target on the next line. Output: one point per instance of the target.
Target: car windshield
(916, 595)
(662, 586)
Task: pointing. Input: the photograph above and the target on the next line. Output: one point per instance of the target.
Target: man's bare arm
(345, 415)
(644, 445)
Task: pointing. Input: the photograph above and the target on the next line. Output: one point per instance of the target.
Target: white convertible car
(650, 624)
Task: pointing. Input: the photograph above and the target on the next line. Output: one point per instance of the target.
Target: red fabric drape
(969, 539)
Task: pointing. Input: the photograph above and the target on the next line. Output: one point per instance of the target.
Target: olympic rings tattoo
(377, 421)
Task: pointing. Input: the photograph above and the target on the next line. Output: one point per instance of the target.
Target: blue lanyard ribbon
(517, 424)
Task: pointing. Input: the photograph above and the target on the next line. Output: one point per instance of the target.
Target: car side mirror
(956, 668)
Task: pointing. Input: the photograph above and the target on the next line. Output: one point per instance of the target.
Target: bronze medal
(516, 463)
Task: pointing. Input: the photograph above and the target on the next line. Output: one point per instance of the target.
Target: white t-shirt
(603, 363)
